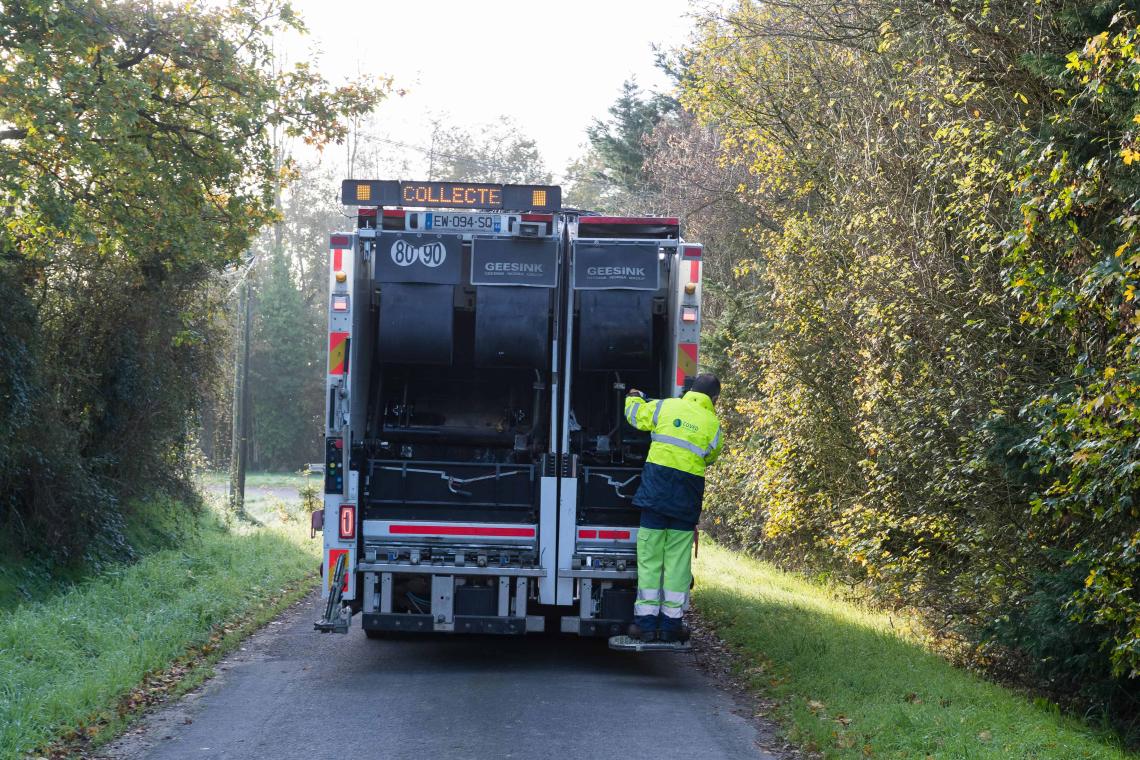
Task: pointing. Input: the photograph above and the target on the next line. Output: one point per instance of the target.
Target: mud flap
(630, 644)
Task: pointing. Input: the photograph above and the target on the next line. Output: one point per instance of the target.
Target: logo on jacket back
(677, 422)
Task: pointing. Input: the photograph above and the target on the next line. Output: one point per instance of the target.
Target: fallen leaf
(985, 736)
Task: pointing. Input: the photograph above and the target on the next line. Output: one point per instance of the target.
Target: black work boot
(635, 632)
(679, 636)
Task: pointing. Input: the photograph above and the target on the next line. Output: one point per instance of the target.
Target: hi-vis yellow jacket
(685, 436)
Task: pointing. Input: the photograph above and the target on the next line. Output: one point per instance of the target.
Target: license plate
(474, 223)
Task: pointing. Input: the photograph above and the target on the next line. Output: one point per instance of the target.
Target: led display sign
(468, 195)
(450, 195)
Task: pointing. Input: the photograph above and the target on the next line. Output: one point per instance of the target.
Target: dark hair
(707, 384)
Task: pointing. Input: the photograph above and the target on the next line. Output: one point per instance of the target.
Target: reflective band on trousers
(657, 412)
(681, 443)
(675, 598)
(648, 601)
(672, 612)
(631, 415)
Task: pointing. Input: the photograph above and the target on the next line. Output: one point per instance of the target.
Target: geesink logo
(512, 267)
(429, 254)
(615, 271)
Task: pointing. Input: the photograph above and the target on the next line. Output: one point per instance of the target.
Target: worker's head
(708, 384)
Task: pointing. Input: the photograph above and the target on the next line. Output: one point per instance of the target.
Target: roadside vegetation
(920, 290)
(149, 526)
(850, 682)
(261, 480)
(69, 661)
(140, 155)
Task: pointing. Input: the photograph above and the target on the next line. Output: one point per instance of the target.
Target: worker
(686, 437)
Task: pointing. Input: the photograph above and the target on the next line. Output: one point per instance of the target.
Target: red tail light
(347, 521)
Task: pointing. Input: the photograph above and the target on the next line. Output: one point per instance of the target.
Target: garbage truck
(479, 472)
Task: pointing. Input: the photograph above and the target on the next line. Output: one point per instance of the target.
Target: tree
(930, 340)
(135, 167)
(621, 141)
(291, 293)
(588, 189)
(695, 181)
(611, 175)
(281, 365)
(499, 153)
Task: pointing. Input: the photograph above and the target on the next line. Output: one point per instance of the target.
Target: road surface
(293, 693)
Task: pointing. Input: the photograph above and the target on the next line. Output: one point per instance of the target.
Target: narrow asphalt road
(293, 693)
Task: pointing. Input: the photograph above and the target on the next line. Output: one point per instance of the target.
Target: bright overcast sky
(551, 67)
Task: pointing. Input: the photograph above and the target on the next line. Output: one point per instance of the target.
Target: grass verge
(850, 684)
(149, 525)
(255, 480)
(73, 660)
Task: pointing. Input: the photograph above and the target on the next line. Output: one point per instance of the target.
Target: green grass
(263, 493)
(851, 683)
(67, 661)
(254, 480)
(148, 526)
(24, 578)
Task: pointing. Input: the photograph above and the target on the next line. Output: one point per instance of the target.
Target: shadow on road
(547, 653)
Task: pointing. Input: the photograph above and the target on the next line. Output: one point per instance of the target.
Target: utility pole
(239, 440)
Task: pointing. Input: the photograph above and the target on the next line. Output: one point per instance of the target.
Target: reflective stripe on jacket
(685, 438)
(685, 431)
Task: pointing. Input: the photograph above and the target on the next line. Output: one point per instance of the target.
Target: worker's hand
(635, 392)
